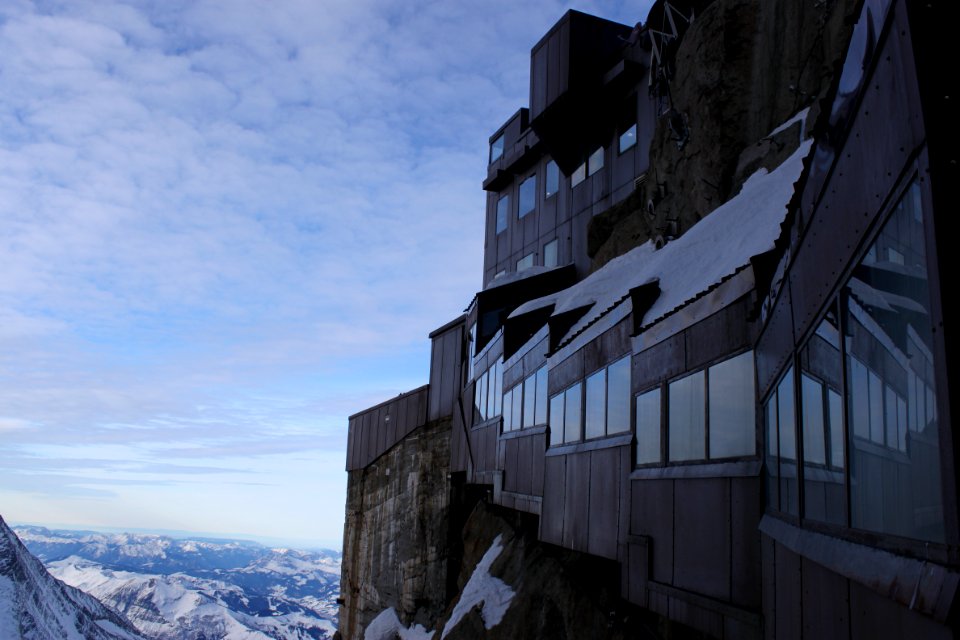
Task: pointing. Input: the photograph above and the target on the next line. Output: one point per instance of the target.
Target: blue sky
(226, 226)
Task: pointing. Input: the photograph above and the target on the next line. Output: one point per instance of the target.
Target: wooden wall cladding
(374, 431)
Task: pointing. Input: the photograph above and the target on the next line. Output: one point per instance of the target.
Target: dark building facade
(750, 414)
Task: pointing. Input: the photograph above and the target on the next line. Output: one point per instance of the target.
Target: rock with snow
(36, 606)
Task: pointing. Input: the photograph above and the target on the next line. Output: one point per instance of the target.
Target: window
(605, 404)
(552, 181)
(528, 196)
(487, 393)
(525, 405)
(706, 415)
(595, 161)
(472, 338)
(579, 175)
(525, 262)
(550, 253)
(648, 426)
(783, 492)
(496, 149)
(503, 208)
(628, 138)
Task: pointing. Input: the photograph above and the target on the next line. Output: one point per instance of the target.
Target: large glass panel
(550, 258)
(572, 413)
(596, 404)
(525, 262)
(787, 436)
(540, 407)
(732, 399)
(528, 196)
(618, 396)
(496, 386)
(481, 396)
(773, 453)
(579, 175)
(687, 436)
(508, 411)
(529, 401)
(556, 419)
(814, 440)
(648, 427)
(628, 138)
(895, 472)
(552, 181)
(595, 161)
(517, 407)
(503, 210)
(496, 148)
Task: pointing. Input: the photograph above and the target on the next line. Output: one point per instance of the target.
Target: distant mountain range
(197, 589)
(35, 606)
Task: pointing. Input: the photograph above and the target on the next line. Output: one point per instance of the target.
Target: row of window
(864, 400)
(488, 394)
(527, 191)
(597, 407)
(706, 415)
(525, 405)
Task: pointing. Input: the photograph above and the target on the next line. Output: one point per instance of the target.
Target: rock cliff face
(742, 68)
(396, 534)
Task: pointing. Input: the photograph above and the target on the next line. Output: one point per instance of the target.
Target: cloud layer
(228, 225)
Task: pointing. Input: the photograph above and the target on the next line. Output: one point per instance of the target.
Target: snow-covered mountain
(198, 589)
(36, 606)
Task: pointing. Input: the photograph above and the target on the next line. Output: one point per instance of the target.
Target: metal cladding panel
(576, 504)
(658, 363)
(352, 431)
(511, 468)
(536, 357)
(593, 358)
(702, 545)
(651, 514)
(547, 217)
(709, 622)
(538, 455)
(565, 373)
(623, 171)
(788, 600)
(422, 408)
(826, 602)
(604, 504)
(746, 509)
(379, 426)
(551, 519)
(616, 341)
(873, 616)
(412, 419)
(775, 346)
(524, 469)
(450, 383)
(369, 440)
(720, 334)
(768, 585)
(436, 364)
(458, 445)
(538, 69)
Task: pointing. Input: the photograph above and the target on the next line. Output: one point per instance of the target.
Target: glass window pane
(525, 262)
(572, 413)
(579, 175)
(732, 399)
(508, 411)
(540, 408)
(496, 149)
(552, 182)
(648, 427)
(596, 404)
(595, 161)
(550, 253)
(786, 424)
(556, 419)
(497, 386)
(529, 396)
(503, 210)
(628, 138)
(518, 407)
(894, 488)
(618, 396)
(859, 398)
(835, 413)
(686, 418)
(528, 196)
(482, 396)
(811, 400)
(773, 447)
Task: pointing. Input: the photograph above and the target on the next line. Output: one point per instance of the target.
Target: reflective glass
(550, 253)
(552, 182)
(517, 407)
(732, 399)
(529, 397)
(787, 435)
(540, 408)
(687, 436)
(525, 262)
(528, 196)
(503, 209)
(496, 387)
(596, 404)
(496, 149)
(618, 396)
(628, 138)
(572, 413)
(579, 175)
(648, 427)
(595, 161)
(508, 411)
(556, 419)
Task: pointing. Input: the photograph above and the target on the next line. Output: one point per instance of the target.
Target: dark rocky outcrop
(742, 68)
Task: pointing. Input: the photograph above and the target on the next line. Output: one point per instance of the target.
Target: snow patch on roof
(491, 593)
(712, 250)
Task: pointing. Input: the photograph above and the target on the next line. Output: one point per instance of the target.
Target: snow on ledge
(713, 249)
(491, 593)
(387, 626)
